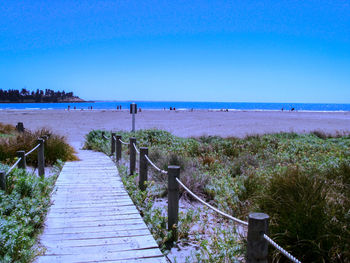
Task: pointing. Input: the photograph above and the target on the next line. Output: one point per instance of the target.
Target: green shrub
(23, 207)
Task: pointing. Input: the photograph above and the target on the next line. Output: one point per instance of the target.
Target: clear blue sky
(254, 51)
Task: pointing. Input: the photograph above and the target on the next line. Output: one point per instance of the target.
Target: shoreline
(177, 110)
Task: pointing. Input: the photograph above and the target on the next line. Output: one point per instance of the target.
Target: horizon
(264, 52)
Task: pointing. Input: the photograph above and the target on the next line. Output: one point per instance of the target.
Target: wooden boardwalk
(93, 219)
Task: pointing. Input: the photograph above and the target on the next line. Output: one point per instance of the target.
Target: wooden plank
(94, 235)
(78, 220)
(93, 219)
(71, 224)
(145, 239)
(112, 256)
(99, 228)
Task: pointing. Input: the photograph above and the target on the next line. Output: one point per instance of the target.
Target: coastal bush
(300, 180)
(23, 207)
(56, 147)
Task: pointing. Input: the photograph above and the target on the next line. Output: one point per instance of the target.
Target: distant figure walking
(282, 109)
(171, 108)
(68, 107)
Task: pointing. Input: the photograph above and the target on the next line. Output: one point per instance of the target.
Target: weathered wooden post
(173, 198)
(22, 162)
(257, 247)
(2, 181)
(118, 150)
(143, 167)
(112, 143)
(41, 157)
(20, 127)
(132, 141)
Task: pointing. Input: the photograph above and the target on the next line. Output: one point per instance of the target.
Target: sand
(75, 124)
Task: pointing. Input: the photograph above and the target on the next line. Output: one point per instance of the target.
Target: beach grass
(302, 181)
(11, 141)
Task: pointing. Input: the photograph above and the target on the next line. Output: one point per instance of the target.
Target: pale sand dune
(75, 124)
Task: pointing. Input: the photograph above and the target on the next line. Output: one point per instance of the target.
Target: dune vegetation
(302, 181)
(25, 200)
(11, 141)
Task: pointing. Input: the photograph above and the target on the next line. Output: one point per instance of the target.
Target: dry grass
(56, 146)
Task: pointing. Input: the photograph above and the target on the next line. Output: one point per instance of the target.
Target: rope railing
(32, 150)
(138, 152)
(125, 143)
(13, 167)
(283, 251)
(210, 206)
(21, 161)
(155, 166)
(105, 137)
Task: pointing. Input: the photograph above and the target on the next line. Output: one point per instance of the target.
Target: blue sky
(254, 51)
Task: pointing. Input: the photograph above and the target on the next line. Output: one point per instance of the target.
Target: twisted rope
(154, 166)
(210, 206)
(136, 148)
(13, 166)
(32, 150)
(284, 252)
(104, 137)
(126, 143)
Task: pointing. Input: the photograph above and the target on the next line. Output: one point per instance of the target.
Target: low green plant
(23, 206)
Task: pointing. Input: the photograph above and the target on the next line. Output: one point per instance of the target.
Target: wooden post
(103, 134)
(132, 155)
(173, 198)
(41, 158)
(20, 127)
(118, 150)
(257, 247)
(112, 143)
(22, 163)
(2, 181)
(143, 167)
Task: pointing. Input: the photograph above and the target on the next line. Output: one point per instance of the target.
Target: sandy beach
(75, 124)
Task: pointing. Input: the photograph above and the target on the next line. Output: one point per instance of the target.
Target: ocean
(180, 105)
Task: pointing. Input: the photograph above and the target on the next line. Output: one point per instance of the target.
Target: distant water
(159, 105)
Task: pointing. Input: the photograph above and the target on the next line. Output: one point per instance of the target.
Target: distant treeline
(48, 95)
